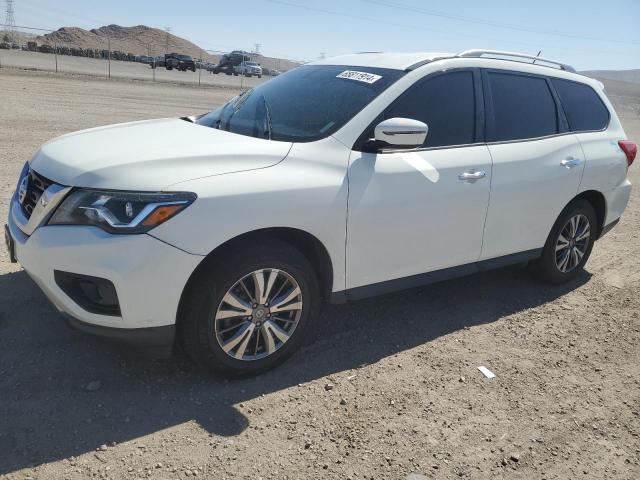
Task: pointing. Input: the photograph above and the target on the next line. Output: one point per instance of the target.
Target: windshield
(305, 104)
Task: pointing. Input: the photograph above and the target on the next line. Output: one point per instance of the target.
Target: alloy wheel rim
(572, 243)
(258, 314)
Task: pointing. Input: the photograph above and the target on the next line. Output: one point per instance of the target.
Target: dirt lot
(406, 394)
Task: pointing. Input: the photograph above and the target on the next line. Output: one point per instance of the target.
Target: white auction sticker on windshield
(359, 76)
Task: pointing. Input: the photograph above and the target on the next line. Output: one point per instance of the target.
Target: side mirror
(401, 132)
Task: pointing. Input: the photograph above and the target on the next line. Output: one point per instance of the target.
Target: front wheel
(251, 312)
(569, 244)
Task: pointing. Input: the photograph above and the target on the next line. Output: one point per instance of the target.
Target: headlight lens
(120, 212)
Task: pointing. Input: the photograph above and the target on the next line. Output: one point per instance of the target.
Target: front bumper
(148, 274)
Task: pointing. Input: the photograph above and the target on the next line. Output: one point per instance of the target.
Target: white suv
(346, 178)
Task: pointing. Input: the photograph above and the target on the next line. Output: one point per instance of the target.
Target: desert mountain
(141, 40)
(632, 76)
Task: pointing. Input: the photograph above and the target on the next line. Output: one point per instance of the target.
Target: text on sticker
(359, 76)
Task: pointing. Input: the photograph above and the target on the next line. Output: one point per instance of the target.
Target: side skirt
(422, 279)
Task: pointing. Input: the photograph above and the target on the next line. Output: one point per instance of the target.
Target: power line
(431, 29)
(436, 13)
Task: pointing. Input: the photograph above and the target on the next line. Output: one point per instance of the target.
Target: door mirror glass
(401, 132)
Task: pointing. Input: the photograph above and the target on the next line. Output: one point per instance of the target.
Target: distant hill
(141, 40)
(632, 76)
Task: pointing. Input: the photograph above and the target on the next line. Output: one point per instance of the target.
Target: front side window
(305, 104)
(523, 107)
(582, 106)
(446, 103)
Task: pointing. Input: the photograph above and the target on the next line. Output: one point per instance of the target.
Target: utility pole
(10, 21)
(166, 48)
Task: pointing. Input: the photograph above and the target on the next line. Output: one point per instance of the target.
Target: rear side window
(523, 107)
(582, 106)
(446, 103)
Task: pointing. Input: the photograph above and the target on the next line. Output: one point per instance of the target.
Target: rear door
(537, 162)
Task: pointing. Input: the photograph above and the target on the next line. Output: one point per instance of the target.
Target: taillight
(630, 149)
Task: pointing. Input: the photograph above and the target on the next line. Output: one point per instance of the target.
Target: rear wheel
(569, 244)
(251, 312)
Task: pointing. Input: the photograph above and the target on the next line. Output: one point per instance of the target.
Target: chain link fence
(136, 58)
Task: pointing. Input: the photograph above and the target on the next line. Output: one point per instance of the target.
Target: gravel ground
(388, 387)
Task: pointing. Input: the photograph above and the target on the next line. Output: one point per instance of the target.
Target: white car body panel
(150, 155)
(409, 213)
(308, 192)
(606, 164)
(521, 214)
(148, 275)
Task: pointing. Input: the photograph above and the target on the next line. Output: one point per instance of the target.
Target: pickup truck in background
(179, 62)
(248, 69)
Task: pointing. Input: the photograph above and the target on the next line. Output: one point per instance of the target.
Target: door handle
(472, 176)
(570, 162)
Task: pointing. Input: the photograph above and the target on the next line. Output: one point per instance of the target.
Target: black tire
(259, 76)
(197, 322)
(545, 268)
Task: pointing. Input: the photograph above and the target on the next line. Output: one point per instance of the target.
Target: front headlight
(120, 212)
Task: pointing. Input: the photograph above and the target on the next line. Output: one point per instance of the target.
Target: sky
(589, 34)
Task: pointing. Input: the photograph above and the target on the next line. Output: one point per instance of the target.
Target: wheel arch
(599, 204)
(307, 244)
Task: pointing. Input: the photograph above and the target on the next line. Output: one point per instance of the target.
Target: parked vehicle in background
(158, 61)
(143, 59)
(345, 178)
(248, 69)
(229, 61)
(179, 62)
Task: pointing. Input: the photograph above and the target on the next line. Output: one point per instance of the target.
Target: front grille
(36, 185)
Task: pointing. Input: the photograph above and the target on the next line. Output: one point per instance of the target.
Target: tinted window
(305, 104)
(582, 106)
(523, 107)
(445, 103)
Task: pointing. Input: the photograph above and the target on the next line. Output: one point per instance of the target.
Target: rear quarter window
(583, 107)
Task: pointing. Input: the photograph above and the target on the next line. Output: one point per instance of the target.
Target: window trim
(479, 121)
(606, 127)
(561, 120)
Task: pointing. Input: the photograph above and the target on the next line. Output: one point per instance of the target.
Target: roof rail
(514, 55)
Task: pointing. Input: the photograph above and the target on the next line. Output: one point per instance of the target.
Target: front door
(411, 212)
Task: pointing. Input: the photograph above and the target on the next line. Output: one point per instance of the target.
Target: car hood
(151, 155)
